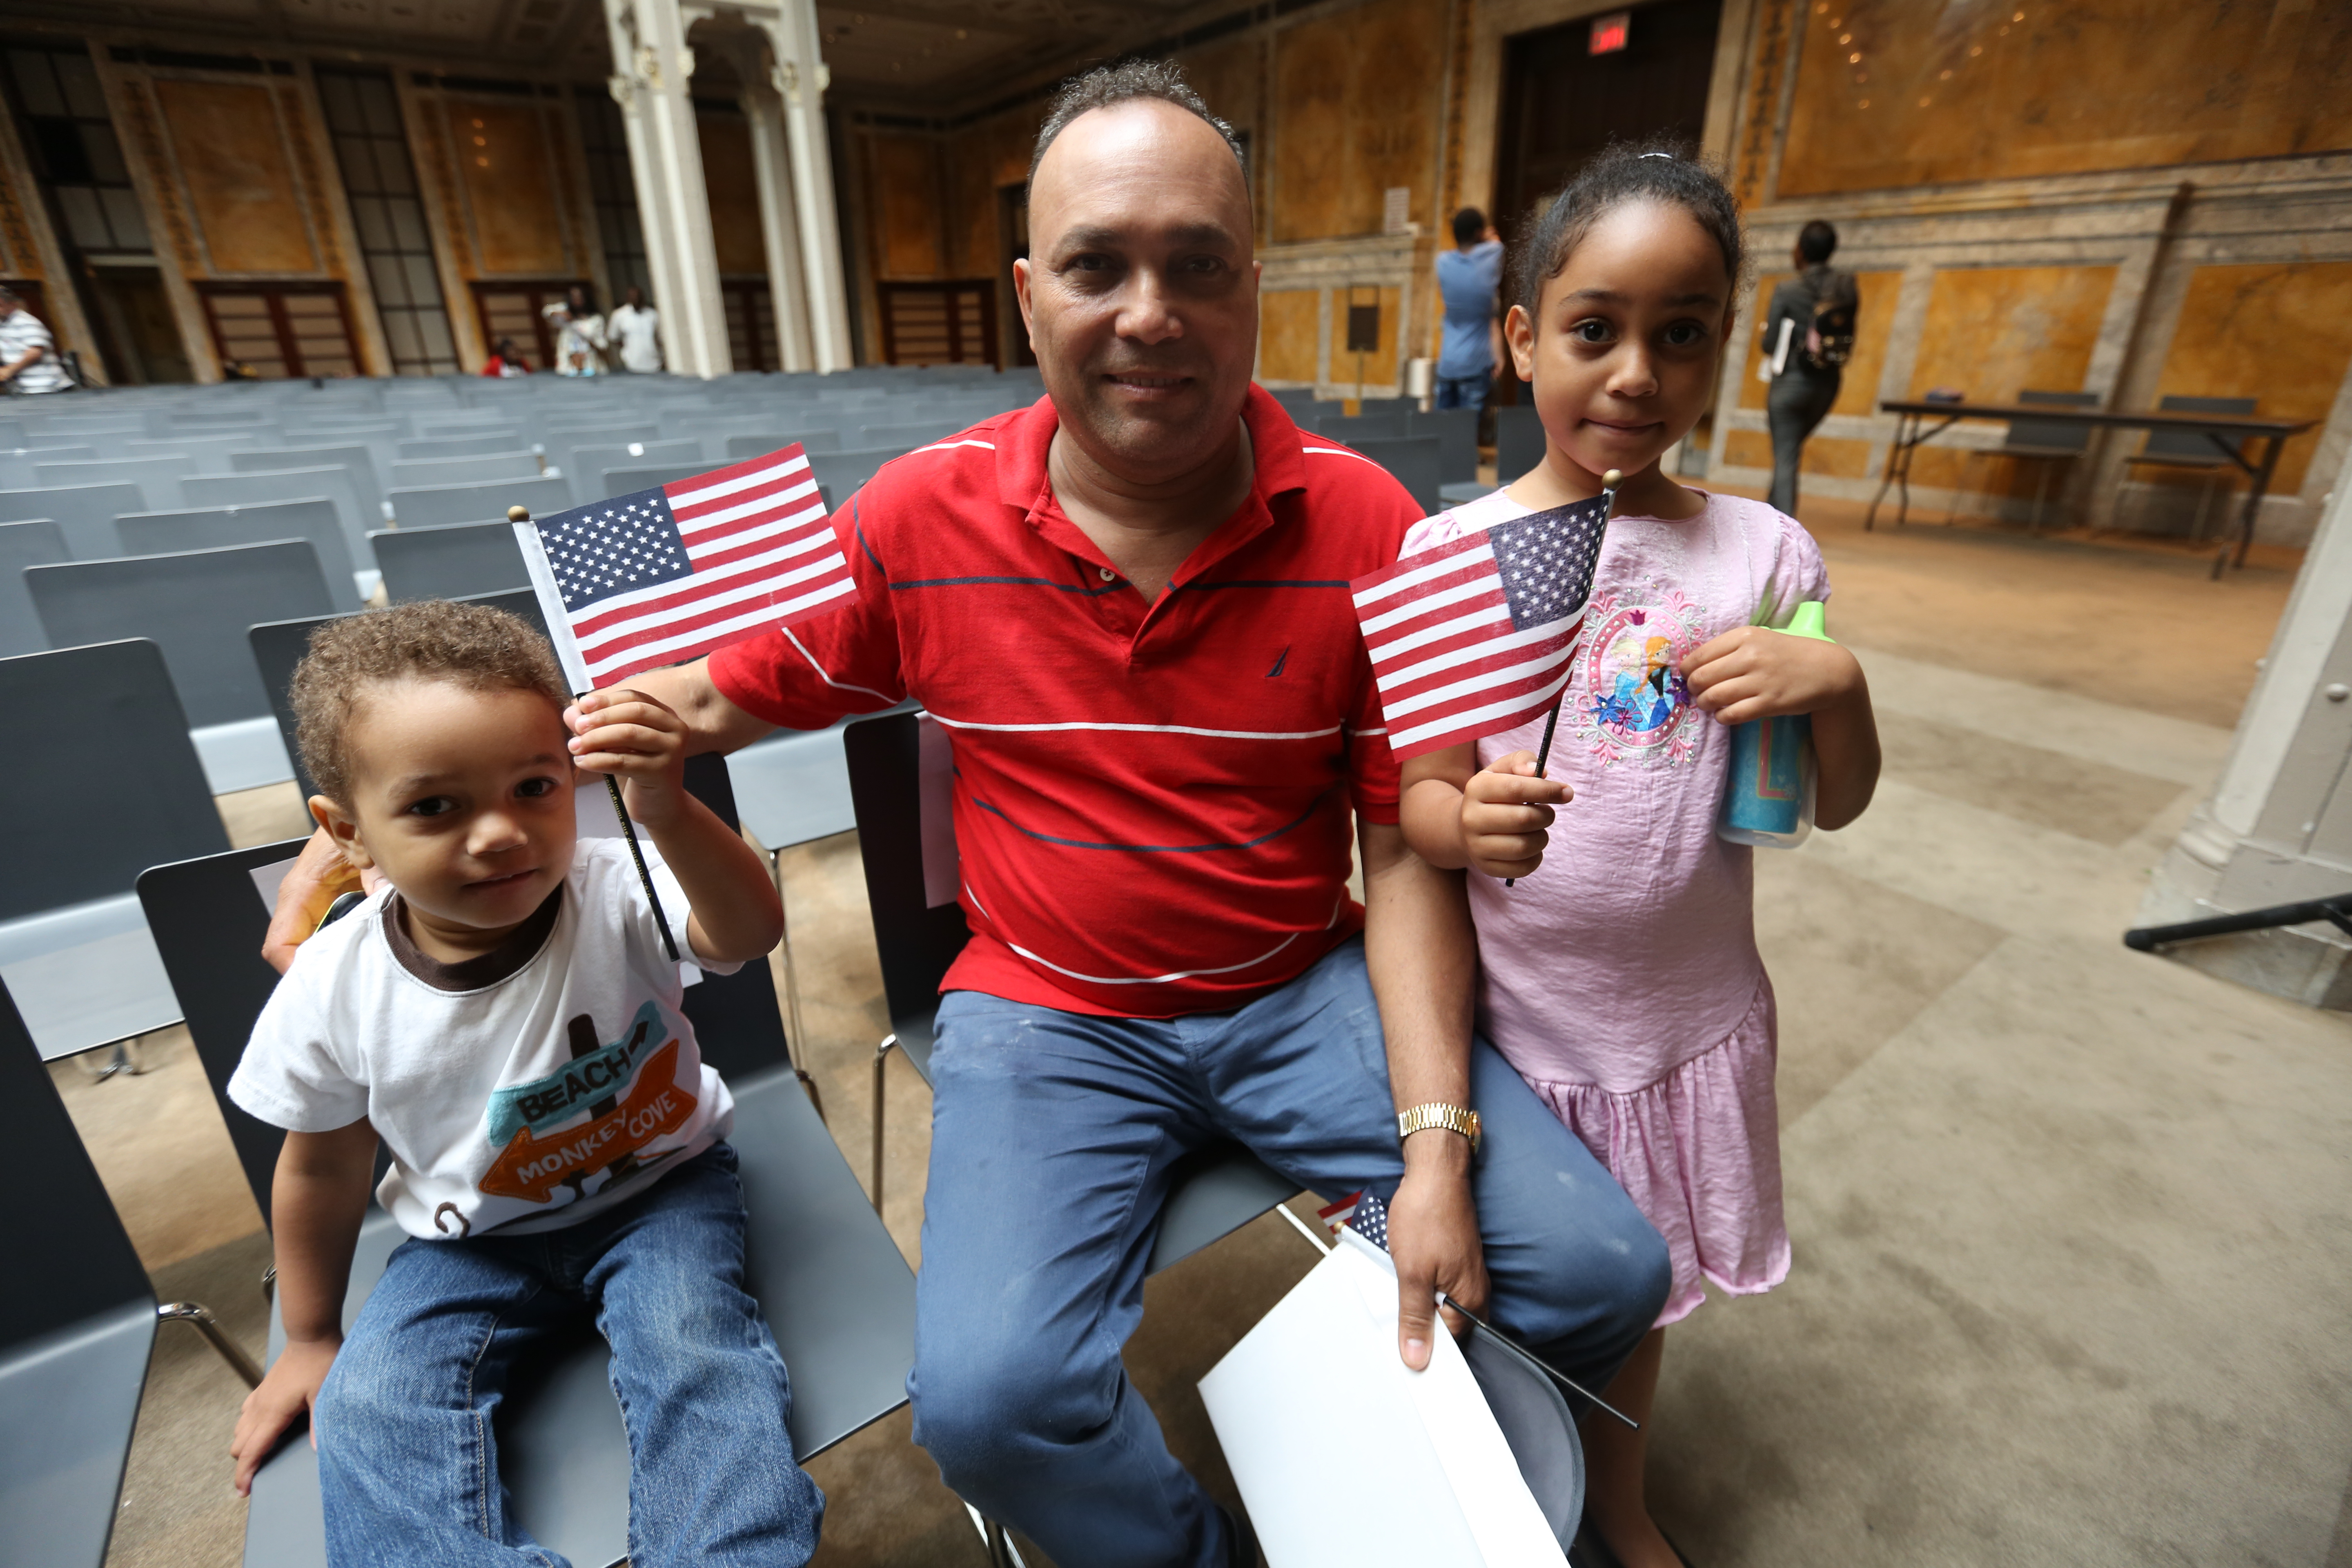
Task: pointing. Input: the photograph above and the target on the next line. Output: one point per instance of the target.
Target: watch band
(1451, 1118)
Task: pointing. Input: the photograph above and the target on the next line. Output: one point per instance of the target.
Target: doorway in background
(141, 336)
(1013, 224)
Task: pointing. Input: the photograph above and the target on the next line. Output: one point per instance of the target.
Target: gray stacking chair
(208, 451)
(330, 452)
(1354, 429)
(457, 446)
(120, 789)
(843, 474)
(157, 478)
(1416, 463)
(316, 519)
(836, 1292)
(584, 465)
(906, 436)
(451, 561)
(429, 506)
(630, 480)
(196, 606)
(17, 463)
(337, 482)
(35, 542)
(2197, 451)
(1519, 443)
(2047, 443)
(408, 473)
(85, 512)
(75, 1337)
(812, 442)
(1456, 430)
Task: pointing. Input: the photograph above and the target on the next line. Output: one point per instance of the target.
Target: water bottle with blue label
(1769, 799)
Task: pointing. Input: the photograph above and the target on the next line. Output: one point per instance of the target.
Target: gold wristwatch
(1452, 1118)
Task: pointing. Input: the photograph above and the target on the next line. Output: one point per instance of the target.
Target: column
(780, 227)
(652, 64)
(800, 79)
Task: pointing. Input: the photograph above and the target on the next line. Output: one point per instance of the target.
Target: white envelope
(1344, 1457)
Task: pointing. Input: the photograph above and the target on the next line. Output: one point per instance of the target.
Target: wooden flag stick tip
(518, 514)
(1609, 481)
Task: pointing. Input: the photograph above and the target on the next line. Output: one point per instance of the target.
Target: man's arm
(316, 1203)
(712, 723)
(30, 357)
(1424, 960)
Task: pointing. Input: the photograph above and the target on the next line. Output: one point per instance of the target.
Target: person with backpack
(1808, 338)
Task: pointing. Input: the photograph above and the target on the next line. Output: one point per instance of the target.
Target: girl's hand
(1504, 810)
(1755, 672)
(638, 738)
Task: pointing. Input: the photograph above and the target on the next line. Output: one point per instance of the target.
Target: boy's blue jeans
(408, 1464)
(1051, 1138)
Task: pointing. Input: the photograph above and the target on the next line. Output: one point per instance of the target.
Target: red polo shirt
(1153, 803)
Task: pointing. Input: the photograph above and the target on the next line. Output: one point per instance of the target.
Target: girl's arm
(1491, 820)
(1755, 672)
(737, 914)
(316, 1202)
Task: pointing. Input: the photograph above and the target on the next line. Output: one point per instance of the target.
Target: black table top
(2129, 419)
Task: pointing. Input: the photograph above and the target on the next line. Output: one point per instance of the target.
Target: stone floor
(2069, 1221)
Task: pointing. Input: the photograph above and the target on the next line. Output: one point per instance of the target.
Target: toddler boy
(501, 1014)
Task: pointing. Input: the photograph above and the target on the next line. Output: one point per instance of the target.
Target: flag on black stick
(661, 576)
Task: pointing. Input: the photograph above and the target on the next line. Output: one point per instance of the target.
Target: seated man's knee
(1603, 1281)
(982, 1413)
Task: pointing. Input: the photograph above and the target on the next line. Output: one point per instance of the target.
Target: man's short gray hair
(1127, 82)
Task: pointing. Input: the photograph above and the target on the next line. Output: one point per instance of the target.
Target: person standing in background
(580, 334)
(1808, 338)
(1469, 277)
(633, 332)
(29, 355)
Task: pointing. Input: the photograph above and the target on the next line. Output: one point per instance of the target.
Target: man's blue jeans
(408, 1463)
(1052, 1137)
(1463, 392)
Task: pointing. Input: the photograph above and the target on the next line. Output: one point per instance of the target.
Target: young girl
(1622, 981)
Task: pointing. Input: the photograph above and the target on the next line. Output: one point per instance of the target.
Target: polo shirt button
(1108, 575)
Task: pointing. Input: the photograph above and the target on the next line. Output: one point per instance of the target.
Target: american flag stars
(626, 542)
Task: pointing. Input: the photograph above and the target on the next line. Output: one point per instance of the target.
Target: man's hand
(641, 740)
(1504, 810)
(318, 875)
(1433, 1240)
(285, 1396)
(1755, 672)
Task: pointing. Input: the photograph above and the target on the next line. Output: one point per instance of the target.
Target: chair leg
(796, 1041)
(1960, 492)
(2041, 494)
(200, 1318)
(996, 1540)
(881, 1056)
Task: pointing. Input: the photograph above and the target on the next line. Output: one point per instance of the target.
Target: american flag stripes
(665, 575)
(1475, 636)
(1334, 1216)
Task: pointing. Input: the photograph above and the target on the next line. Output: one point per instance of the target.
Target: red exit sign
(1609, 33)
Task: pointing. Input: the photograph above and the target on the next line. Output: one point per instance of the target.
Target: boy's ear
(344, 829)
(1520, 333)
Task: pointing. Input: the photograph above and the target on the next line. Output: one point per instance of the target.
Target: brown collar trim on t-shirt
(472, 974)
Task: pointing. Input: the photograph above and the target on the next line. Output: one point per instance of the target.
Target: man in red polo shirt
(1127, 605)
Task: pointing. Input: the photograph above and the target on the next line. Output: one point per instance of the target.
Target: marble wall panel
(1992, 332)
(909, 241)
(232, 157)
(2279, 333)
(504, 164)
(1358, 103)
(1286, 334)
(732, 183)
(1889, 94)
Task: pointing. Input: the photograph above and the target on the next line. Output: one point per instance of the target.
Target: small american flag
(665, 575)
(1370, 1220)
(1470, 639)
(1334, 1216)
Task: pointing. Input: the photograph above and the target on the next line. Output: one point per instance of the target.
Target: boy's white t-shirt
(519, 1092)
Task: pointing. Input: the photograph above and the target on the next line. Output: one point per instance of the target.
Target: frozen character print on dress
(1630, 702)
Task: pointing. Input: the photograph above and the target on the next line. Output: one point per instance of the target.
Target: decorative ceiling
(945, 50)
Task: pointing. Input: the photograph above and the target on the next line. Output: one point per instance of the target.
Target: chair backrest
(431, 506)
(408, 473)
(1519, 442)
(208, 917)
(649, 477)
(279, 645)
(1382, 427)
(909, 435)
(917, 940)
(157, 478)
(329, 453)
(456, 446)
(196, 604)
(76, 1257)
(86, 513)
(2067, 435)
(36, 542)
(811, 441)
(2195, 446)
(451, 561)
(1415, 462)
(314, 519)
(1456, 430)
(584, 465)
(118, 787)
(251, 487)
(843, 474)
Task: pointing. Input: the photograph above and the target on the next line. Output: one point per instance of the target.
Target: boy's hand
(638, 738)
(285, 1395)
(1504, 810)
(1755, 672)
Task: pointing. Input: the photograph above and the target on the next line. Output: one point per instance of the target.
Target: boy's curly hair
(478, 647)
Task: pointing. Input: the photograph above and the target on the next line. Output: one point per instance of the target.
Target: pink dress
(1621, 980)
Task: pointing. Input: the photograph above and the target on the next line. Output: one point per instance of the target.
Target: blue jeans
(1052, 1136)
(1463, 392)
(408, 1465)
